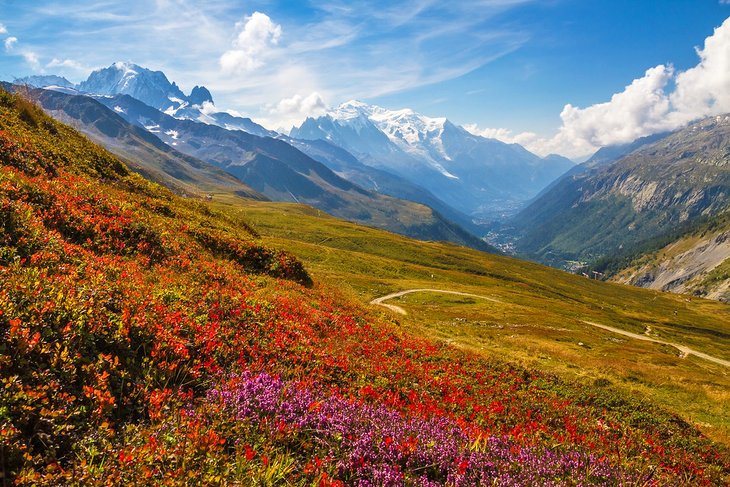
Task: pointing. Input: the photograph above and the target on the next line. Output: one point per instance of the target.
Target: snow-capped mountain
(414, 134)
(479, 176)
(154, 89)
(150, 87)
(45, 81)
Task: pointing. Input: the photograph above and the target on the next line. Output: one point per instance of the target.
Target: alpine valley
(375, 297)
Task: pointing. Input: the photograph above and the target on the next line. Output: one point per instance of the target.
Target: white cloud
(525, 139)
(293, 110)
(9, 43)
(646, 106)
(705, 89)
(66, 63)
(490, 133)
(208, 108)
(641, 109)
(312, 104)
(257, 35)
(32, 59)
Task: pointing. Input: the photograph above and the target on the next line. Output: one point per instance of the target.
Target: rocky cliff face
(698, 265)
(689, 168)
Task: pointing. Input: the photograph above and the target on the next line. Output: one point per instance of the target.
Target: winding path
(685, 350)
(380, 301)
(681, 348)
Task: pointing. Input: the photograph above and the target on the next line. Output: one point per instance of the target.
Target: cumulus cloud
(32, 59)
(646, 106)
(3, 29)
(66, 63)
(10, 42)
(310, 105)
(641, 109)
(705, 89)
(293, 110)
(502, 134)
(257, 35)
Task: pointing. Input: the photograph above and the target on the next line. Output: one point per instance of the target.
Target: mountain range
(200, 159)
(283, 173)
(152, 88)
(141, 150)
(398, 152)
(484, 178)
(406, 158)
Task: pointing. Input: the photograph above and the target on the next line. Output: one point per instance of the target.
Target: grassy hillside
(151, 339)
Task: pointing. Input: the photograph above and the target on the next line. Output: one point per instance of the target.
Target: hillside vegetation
(151, 339)
(540, 319)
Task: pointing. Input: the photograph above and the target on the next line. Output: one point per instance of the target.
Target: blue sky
(507, 67)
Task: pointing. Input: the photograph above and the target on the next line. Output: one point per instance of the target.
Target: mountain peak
(354, 104)
(45, 81)
(351, 110)
(478, 176)
(125, 66)
(354, 109)
(200, 95)
(127, 78)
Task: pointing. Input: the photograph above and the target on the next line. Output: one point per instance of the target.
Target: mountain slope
(481, 177)
(281, 172)
(645, 194)
(233, 122)
(697, 263)
(602, 157)
(349, 167)
(142, 151)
